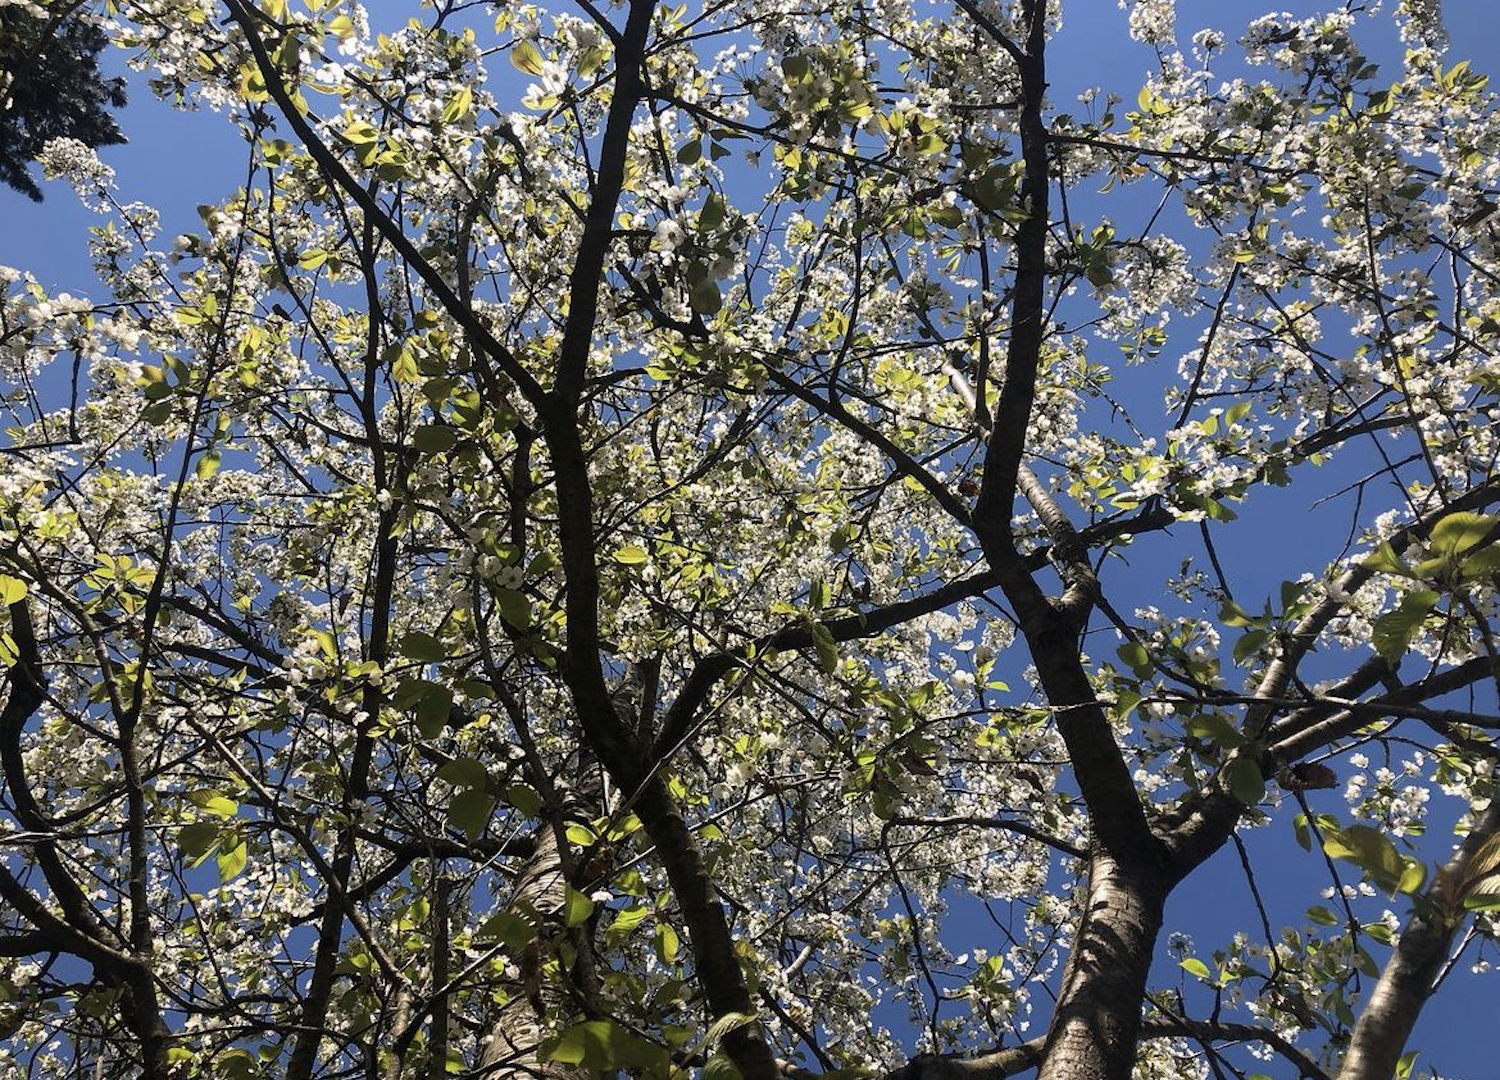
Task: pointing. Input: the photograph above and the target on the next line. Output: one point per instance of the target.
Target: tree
(637, 526)
(50, 86)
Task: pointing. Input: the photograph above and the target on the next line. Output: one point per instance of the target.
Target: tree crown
(642, 537)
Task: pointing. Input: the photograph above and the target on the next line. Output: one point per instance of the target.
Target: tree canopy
(735, 538)
(51, 86)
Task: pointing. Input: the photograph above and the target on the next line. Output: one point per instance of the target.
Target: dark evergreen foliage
(51, 87)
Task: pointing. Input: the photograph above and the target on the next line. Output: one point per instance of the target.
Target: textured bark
(1387, 1020)
(1013, 1060)
(1404, 986)
(514, 1045)
(1097, 1024)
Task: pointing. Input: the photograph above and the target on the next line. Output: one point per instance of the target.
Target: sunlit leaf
(232, 859)
(12, 590)
(526, 57)
(577, 908)
(1193, 966)
(1394, 631)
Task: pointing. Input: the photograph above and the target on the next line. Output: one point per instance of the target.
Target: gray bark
(1387, 1020)
(1097, 1024)
(514, 1045)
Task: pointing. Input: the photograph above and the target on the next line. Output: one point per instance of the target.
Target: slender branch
(1014, 1060)
(900, 460)
(681, 716)
(460, 312)
(1020, 828)
(598, 223)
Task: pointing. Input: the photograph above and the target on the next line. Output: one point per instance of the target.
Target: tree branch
(460, 312)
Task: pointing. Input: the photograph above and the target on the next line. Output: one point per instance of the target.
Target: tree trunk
(1097, 1022)
(514, 1046)
(1406, 983)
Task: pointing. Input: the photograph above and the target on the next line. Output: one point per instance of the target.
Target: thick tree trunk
(1404, 986)
(1098, 1018)
(514, 1044)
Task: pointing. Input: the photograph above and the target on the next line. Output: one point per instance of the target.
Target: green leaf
(723, 1025)
(208, 464)
(509, 928)
(592, 59)
(1193, 966)
(712, 213)
(515, 608)
(603, 1046)
(1231, 614)
(409, 692)
(1394, 631)
(1249, 644)
(667, 942)
(1217, 727)
(580, 834)
(1136, 657)
(465, 772)
(232, 859)
(1406, 1064)
(540, 565)
(630, 555)
(524, 798)
(214, 802)
(1245, 781)
(795, 67)
(826, 648)
(403, 364)
(1481, 564)
(527, 58)
(625, 923)
(1412, 877)
(704, 297)
(1457, 533)
(469, 811)
(198, 840)
(721, 1067)
(458, 105)
(327, 643)
(433, 710)
(577, 908)
(236, 1063)
(12, 590)
(433, 439)
(416, 645)
(1322, 916)
(1371, 850)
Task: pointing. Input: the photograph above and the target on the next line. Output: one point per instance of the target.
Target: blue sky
(176, 160)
